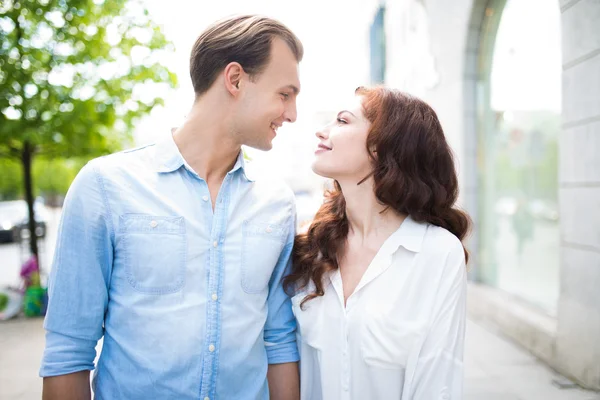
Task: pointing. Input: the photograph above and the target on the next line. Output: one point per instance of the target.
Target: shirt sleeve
(79, 279)
(280, 327)
(439, 372)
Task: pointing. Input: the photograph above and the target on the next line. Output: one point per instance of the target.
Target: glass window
(519, 181)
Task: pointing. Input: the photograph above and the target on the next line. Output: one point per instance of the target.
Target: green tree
(52, 178)
(11, 183)
(75, 75)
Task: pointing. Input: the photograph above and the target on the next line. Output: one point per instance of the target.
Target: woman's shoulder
(440, 240)
(442, 253)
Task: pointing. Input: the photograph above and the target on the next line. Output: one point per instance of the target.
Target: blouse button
(444, 395)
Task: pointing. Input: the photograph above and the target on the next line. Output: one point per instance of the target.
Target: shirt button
(205, 198)
(215, 297)
(206, 398)
(215, 244)
(211, 348)
(154, 224)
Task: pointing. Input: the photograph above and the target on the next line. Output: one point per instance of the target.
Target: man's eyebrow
(293, 88)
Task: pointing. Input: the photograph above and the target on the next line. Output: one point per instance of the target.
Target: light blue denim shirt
(188, 301)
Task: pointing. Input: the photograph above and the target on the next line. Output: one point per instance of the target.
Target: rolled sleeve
(280, 327)
(79, 279)
(66, 355)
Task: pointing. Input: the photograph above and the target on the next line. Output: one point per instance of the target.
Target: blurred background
(516, 84)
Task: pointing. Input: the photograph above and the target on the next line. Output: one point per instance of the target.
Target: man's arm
(78, 289)
(284, 381)
(280, 328)
(75, 386)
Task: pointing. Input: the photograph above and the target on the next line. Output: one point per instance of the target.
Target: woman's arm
(439, 372)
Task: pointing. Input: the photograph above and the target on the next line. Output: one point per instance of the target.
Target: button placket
(218, 229)
(345, 358)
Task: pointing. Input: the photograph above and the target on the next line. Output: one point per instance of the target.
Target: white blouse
(401, 334)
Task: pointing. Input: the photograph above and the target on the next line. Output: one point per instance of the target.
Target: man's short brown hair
(245, 39)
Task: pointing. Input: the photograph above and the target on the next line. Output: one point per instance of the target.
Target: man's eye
(342, 121)
(285, 95)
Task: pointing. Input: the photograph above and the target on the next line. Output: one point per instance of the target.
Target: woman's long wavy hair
(413, 173)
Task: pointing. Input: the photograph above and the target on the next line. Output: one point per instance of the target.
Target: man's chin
(261, 146)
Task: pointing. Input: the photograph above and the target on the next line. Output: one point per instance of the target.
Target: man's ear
(234, 74)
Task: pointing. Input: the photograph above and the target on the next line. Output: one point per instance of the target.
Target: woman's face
(341, 153)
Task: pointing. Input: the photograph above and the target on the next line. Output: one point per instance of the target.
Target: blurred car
(544, 209)
(538, 208)
(14, 220)
(506, 206)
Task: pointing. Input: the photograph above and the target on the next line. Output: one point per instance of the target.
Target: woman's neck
(367, 217)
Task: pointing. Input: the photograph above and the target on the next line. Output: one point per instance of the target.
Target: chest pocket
(387, 343)
(262, 244)
(154, 252)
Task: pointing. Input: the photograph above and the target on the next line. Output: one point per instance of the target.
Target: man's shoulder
(126, 160)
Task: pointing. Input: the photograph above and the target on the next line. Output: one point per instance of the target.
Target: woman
(379, 277)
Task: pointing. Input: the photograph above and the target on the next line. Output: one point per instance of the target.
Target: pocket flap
(265, 229)
(143, 223)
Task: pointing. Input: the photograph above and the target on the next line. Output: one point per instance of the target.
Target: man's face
(269, 99)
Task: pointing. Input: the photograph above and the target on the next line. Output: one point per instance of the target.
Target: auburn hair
(413, 172)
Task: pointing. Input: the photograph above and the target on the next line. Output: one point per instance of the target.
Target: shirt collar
(241, 164)
(168, 159)
(410, 236)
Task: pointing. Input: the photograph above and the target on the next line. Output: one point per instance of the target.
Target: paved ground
(496, 369)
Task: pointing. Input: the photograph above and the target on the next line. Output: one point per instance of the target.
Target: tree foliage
(75, 76)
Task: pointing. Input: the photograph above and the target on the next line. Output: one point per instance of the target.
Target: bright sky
(527, 73)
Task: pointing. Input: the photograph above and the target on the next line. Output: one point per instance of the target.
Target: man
(174, 254)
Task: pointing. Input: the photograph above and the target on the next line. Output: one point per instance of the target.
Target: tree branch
(11, 152)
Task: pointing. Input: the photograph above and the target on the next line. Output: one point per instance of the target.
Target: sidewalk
(496, 369)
